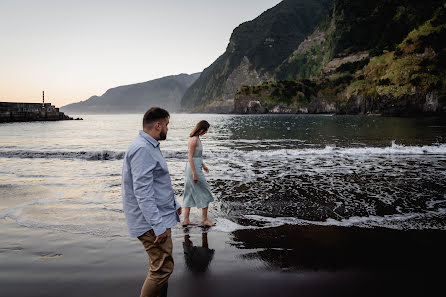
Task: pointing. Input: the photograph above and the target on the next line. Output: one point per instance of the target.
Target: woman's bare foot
(186, 223)
(207, 223)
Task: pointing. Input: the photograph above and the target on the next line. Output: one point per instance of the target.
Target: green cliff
(401, 78)
(255, 49)
(330, 56)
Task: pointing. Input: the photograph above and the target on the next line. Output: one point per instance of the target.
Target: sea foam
(420, 221)
(104, 155)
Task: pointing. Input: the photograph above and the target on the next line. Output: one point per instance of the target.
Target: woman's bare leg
(204, 218)
(186, 220)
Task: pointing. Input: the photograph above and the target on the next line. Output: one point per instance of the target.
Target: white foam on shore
(395, 221)
(103, 230)
(15, 211)
(225, 225)
(393, 149)
(81, 226)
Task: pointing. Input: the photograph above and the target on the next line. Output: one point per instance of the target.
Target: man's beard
(163, 135)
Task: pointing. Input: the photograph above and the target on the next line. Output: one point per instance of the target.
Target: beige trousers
(161, 264)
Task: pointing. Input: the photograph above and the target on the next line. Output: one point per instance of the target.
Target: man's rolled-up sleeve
(142, 166)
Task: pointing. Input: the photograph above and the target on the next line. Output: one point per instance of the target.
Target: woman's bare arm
(205, 168)
(192, 146)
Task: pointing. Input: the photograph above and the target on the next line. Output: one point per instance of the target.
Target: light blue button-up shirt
(147, 194)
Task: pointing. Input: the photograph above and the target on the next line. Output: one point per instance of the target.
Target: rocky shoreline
(417, 104)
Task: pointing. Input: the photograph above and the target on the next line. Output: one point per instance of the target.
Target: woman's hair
(200, 127)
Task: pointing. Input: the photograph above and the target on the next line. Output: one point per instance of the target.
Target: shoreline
(289, 261)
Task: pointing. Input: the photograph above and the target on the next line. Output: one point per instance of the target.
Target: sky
(73, 50)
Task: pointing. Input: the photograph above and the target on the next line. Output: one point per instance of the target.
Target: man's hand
(195, 178)
(179, 210)
(161, 238)
(205, 168)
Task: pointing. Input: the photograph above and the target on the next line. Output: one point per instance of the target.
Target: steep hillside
(254, 51)
(407, 78)
(354, 30)
(326, 42)
(165, 92)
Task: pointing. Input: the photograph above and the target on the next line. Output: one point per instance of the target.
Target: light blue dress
(196, 194)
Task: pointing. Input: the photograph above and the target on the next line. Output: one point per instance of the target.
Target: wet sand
(281, 261)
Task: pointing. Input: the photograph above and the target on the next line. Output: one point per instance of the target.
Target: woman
(196, 189)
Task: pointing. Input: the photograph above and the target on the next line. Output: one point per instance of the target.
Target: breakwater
(24, 112)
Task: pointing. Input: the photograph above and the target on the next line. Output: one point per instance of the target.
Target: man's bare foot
(186, 223)
(207, 223)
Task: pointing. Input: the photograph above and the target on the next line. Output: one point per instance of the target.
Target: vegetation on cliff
(354, 26)
(417, 65)
(402, 56)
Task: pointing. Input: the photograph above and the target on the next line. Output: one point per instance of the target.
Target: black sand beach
(281, 261)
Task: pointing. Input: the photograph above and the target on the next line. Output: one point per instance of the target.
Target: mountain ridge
(165, 92)
(252, 60)
(344, 38)
(408, 78)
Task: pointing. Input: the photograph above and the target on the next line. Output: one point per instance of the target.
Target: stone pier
(24, 112)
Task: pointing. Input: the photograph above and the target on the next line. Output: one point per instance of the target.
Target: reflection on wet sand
(331, 248)
(197, 258)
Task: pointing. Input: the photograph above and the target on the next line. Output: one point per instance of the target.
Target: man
(149, 202)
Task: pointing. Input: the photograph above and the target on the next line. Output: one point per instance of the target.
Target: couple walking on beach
(149, 203)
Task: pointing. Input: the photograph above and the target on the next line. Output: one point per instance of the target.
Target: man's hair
(153, 115)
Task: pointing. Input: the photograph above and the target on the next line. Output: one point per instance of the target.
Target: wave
(430, 220)
(418, 221)
(14, 211)
(91, 156)
(413, 221)
(99, 228)
(393, 149)
(104, 155)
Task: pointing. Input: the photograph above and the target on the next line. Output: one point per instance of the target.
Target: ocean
(265, 171)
